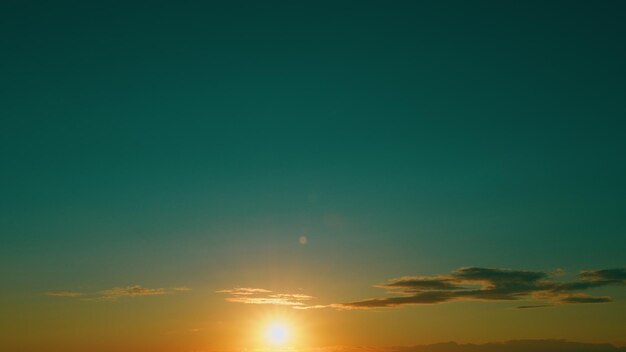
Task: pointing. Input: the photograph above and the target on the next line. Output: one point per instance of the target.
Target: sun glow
(277, 333)
(279, 330)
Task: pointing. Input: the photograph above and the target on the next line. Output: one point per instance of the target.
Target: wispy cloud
(530, 306)
(492, 284)
(582, 298)
(262, 296)
(130, 291)
(115, 293)
(63, 294)
(181, 289)
(244, 291)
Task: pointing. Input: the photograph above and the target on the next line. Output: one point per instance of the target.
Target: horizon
(312, 175)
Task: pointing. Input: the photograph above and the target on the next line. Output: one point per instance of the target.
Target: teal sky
(192, 143)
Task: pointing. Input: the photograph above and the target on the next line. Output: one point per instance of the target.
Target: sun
(277, 333)
(279, 330)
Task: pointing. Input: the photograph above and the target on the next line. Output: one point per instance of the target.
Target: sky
(179, 176)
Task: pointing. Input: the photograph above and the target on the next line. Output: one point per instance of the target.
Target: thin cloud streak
(244, 291)
(63, 294)
(130, 291)
(535, 306)
(116, 293)
(262, 296)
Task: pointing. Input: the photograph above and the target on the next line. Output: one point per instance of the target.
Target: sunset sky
(305, 175)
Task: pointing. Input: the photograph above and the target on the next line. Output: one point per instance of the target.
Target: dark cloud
(581, 298)
(492, 284)
(499, 275)
(419, 283)
(595, 278)
(535, 306)
(426, 297)
(578, 286)
(606, 275)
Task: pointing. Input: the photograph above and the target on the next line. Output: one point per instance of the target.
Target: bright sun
(277, 333)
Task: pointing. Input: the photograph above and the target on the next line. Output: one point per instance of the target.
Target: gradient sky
(155, 153)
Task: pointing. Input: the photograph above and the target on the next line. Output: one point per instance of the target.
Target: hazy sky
(175, 175)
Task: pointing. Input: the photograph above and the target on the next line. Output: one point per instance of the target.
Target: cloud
(537, 289)
(115, 293)
(534, 306)
(130, 291)
(596, 278)
(492, 284)
(316, 306)
(244, 291)
(181, 289)
(63, 294)
(418, 283)
(425, 297)
(605, 276)
(582, 298)
(265, 300)
(263, 296)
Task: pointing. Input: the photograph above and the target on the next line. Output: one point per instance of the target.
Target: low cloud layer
(115, 293)
(515, 346)
(490, 285)
(508, 346)
(537, 289)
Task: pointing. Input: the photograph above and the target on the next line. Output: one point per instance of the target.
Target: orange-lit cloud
(244, 291)
(263, 296)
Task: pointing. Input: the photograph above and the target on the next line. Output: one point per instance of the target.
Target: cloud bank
(489, 285)
(537, 289)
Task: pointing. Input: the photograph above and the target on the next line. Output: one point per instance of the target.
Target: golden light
(279, 329)
(277, 333)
